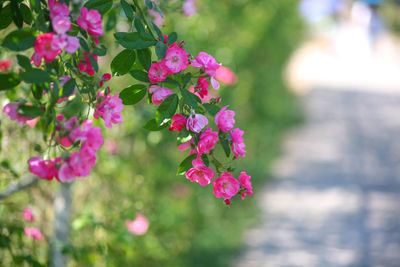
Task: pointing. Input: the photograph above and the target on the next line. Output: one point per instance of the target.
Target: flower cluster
(49, 45)
(31, 232)
(109, 109)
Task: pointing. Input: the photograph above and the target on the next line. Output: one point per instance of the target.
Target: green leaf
(8, 80)
(16, 14)
(212, 109)
(225, 145)
(134, 40)
(161, 49)
(183, 136)
(140, 75)
(68, 88)
(5, 17)
(144, 56)
(172, 37)
(133, 94)
(83, 44)
(111, 21)
(158, 9)
(35, 76)
(157, 30)
(35, 5)
(186, 78)
(100, 5)
(30, 111)
(37, 91)
(19, 40)
(26, 13)
(149, 4)
(171, 81)
(191, 98)
(186, 164)
(123, 62)
(127, 9)
(151, 125)
(100, 50)
(94, 63)
(139, 25)
(24, 61)
(205, 160)
(167, 109)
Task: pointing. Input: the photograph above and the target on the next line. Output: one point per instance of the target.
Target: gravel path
(335, 198)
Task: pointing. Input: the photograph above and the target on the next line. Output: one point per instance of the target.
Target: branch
(18, 186)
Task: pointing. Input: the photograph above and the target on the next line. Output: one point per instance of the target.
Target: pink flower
(226, 75)
(159, 94)
(245, 183)
(237, 143)
(204, 60)
(158, 72)
(72, 44)
(28, 215)
(45, 169)
(85, 65)
(139, 226)
(61, 24)
(111, 146)
(90, 21)
(66, 173)
(178, 122)
(187, 145)
(207, 141)
(5, 65)
(44, 49)
(224, 119)
(106, 77)
(81, 162)
(189, 8)
(202, 87)
(157, 19)
(225, 186)
(58, 9)
(176, 59)
(33, 232)
(109, 109)
(11, 110)
(92, 139)
(199, 173)
(196, 122)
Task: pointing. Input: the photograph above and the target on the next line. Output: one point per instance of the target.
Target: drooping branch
(18, 186)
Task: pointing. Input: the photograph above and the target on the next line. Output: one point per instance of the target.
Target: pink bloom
(139, 226)
(196, 122)
(28, 215)
(157, 19)
(5, 65)
(72, 44)
(204, 60)
(61, 24)
(178, 122)
(187, 145)
(111, 146)
(96, 40)
(226, 75)
(106, 77)
(90, 21)
(214, 83)
(58, 9)
(44, 49)
(110, 110)
(199, 173)
(245, 183)
(225, 186)
(32, 123)
(158, 72)
(176, 59)
(92, 139)
(159, 94)
(81, 162)
(207, 141)
(11, 110)
(33, 232)
(66, 173)
(189, 8)
(85, 65)
(224, 119)
(202, 87)
(237, 143)
(45, 169)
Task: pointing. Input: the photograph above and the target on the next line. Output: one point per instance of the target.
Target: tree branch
(18, 186)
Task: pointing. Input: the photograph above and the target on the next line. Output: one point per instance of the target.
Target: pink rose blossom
(72, 44)
(44, 49)
(204, 60)
(106, 77)
(92, 139)
(189, 8)
(225, 186)
(245, 183)
(214, 83)
(32, 123)
(178, 122)
(139, 226)
(109, 110)
(81, 162)
(28, 215)
(61, 24)
(207, 141)
(66, 173)
(159, 94)
(196, 122)
(90, 21)
(157, 19)
(224, 119)
(11, 110)
(58, 9)
(45, 169)
(199, 173)
(202, 87)
(5, 65)
(187, 145)
(176, 59)
(33, 232)
(226, 75)
(158, 72)
(85, 65)
(237, 143)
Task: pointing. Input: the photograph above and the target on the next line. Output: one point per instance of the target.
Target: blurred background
(326, 143)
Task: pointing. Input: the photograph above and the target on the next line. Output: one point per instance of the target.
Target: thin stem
(144, 19)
